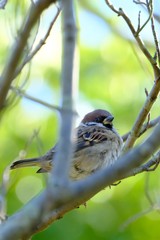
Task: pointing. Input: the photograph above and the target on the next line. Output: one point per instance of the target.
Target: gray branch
(17, 50)
(37, 211)
(152, 96)
(69, 89)
(3, 4)
(61, 196)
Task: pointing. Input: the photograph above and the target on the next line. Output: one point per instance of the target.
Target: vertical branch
(69, 89)
(152, 96)
(17, 50)
(154, 33)
(3, 191)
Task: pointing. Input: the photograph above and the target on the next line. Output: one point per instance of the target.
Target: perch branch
(26, 221)
(59, 212)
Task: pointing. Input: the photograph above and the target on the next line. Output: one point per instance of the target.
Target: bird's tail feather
(25, 163)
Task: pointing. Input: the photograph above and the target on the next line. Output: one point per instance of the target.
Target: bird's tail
(25, 163)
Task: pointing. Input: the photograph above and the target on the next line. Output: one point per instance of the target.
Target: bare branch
(155, 89)
(3, 4)
(144, 128)
(154, 33)
(22, 93)
(150, 11)
(39, 209)
(3, 191)
(134, 218)
(142, 115)
(69, 91)
(59, 212)
(139, 2)
(153, 206)
(61, 195)
(151, 165)
(16, 52)
(138, 39)
(38, 47)
(135, 158)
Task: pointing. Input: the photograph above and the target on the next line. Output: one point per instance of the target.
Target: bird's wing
(88, 136)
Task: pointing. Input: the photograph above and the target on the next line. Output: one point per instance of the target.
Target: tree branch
(151, 165)
(138, 39)
(3, 4)
(22, 93)
(17, 50)
(136, 129)
(38, 211)
(61, 196)
(58, 213)
(155, 89)
(150, 8)
(30, 56)
(3, 191)
(144, 128)
(69, 91)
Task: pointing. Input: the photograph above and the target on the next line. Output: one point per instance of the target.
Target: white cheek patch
(92, 124)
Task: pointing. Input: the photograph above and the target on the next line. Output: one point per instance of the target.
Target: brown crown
(91, 116)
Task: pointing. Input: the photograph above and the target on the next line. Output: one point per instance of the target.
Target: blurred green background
(113, 76)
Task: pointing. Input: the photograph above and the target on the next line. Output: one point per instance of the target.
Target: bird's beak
(108, 120)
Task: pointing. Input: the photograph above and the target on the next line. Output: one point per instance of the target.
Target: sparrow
(97, 145)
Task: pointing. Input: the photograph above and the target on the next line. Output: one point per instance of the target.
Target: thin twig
(149, 6)
(30, 56)
(153, 206)
(139, 21)
(140, 28)
(21, 93)
(139, 2)
(141, 44)
(144, 128)
(139, 59)
(151, 165)
(3, 192)
(154, 33)
(134, 218)
(146, 190)
(136, 129)
(144, 5)
(155, 89)
(17, 50)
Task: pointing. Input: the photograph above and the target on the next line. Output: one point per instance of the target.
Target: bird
(96, 142)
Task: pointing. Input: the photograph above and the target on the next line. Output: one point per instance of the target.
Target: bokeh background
(113, 76)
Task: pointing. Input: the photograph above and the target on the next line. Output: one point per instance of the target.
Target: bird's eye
(99, 119)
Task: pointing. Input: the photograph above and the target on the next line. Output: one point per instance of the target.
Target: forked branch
(17, 49)
(152, 96)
